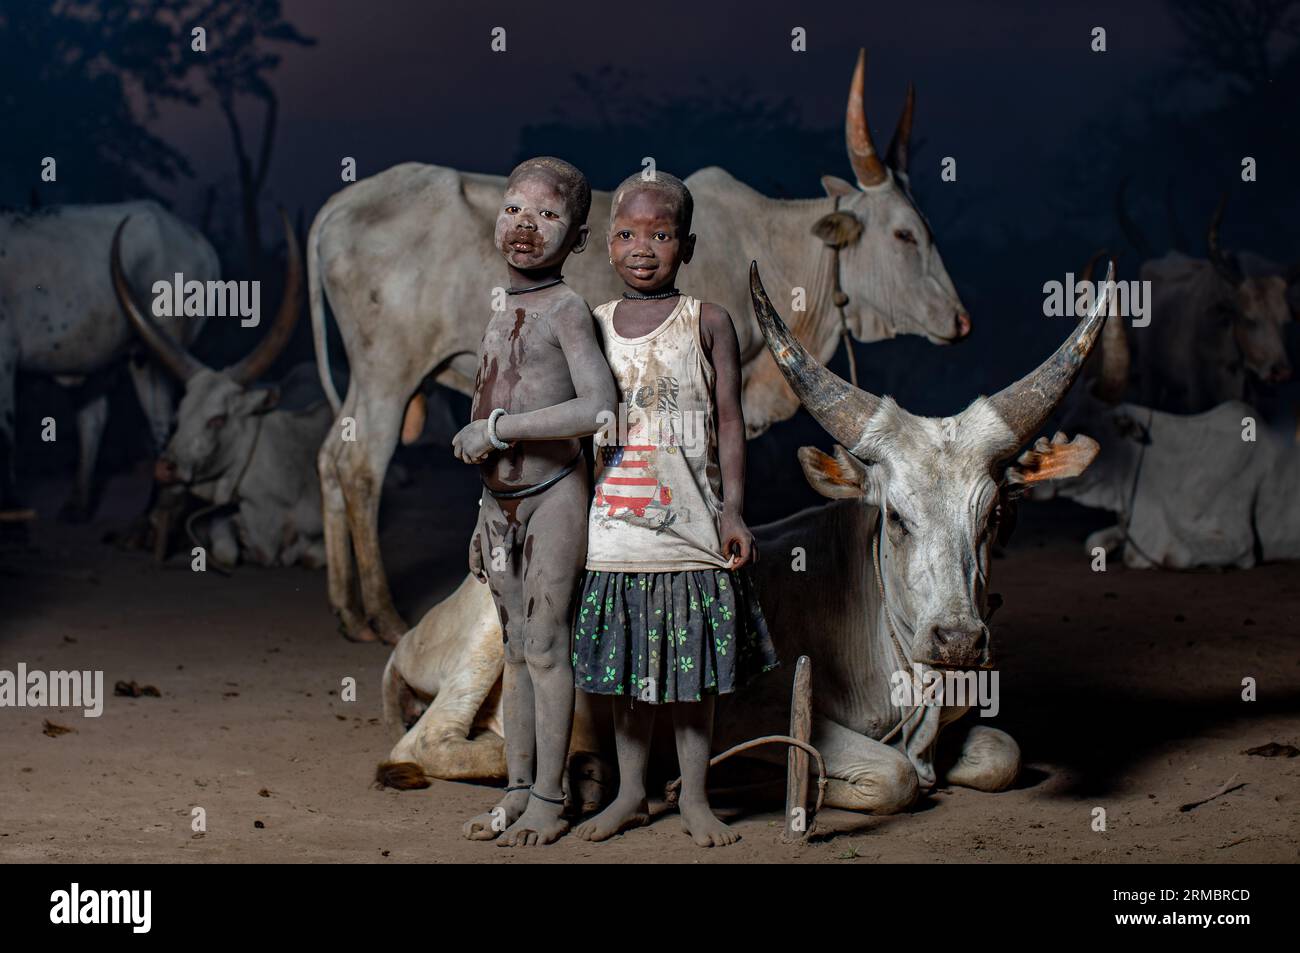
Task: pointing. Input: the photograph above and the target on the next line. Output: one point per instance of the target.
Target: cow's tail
(402, 775)
(395, 693)
(316, 299)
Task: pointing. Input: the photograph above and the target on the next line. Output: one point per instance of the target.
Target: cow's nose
(164, 470)
(950, 647)
(963, 324)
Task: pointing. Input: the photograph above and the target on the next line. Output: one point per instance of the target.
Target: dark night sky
(1011, 89)
(1042, 128)
(999, 85)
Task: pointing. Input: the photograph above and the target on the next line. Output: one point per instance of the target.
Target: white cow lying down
(1189, 491)
(897, 576)
(443, 679)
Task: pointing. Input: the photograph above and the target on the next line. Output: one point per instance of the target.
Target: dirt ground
(1123, 689)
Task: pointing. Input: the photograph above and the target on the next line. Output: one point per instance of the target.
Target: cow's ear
(837, 477)
(1055, 459)
(261, 399)
(838, 229)
(836, 187)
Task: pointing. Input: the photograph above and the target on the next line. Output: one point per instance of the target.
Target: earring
(611, 261)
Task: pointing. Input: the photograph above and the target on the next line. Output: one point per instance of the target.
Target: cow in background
(1217, 333)
(251, 461)
(59, 317)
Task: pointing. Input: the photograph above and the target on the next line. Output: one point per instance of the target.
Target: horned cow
(1215, 489)
(406, 261)
(58, 315)
(233, 447)
(1217, 330)
(897, 575)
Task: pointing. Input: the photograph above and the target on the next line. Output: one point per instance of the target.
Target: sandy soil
(1122, 688)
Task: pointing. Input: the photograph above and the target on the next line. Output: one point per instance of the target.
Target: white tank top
(658, 486)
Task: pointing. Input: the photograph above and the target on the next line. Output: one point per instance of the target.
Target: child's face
(646, 243)
(535, 228)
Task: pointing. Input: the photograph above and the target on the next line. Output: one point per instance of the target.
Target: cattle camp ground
(249, 259)
(1122, 688)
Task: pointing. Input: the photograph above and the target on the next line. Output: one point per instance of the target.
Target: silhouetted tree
(81, 80)
(238, 60)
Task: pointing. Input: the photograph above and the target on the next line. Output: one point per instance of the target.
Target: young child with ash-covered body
(668, 614)
(542, 383)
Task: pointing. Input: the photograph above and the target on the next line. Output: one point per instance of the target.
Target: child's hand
(737, 540)
(472, 445)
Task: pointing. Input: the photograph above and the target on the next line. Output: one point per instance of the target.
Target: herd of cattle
(1180, 451)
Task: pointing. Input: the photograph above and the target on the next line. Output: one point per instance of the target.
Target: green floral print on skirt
(669, 636)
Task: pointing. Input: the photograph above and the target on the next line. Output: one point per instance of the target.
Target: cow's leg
(989, 759)
(1109, 539)
(440, 743)
(345, 597)
(225, 541)
(591, 776)
(91, 419)
(400, 704)
(361, 465)
(260, 538)
(863, 774)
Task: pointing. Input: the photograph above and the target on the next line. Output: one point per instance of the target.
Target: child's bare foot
(702, 824)
(490, 824)
(624, 814)
(539, 824)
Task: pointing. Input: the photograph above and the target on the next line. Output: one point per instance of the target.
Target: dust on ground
(1123, 689)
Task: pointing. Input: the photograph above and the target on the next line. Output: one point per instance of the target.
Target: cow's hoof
(363, 634)
(989, 760)
(589, 782)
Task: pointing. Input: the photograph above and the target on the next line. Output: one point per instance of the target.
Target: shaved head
(673, 190)
(566, 178)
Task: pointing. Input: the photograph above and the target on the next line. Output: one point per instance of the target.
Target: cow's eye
(904, 235)
(899, 522)
(217, 422)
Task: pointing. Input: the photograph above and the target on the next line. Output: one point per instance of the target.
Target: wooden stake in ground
(797, 821)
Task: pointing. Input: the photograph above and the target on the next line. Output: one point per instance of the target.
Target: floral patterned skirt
(669, 636)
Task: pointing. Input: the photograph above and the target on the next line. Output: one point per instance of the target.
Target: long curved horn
(842, 409)
(1026, 404)
(1112, 356)
(1226, 269)
(1127, 225)
(896, 154)
(254, 364)
(862, 151)
(172, 356)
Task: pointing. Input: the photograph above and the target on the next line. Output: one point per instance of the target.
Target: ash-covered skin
(649, 240)
(541, 362)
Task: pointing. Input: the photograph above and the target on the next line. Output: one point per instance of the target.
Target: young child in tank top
(667, 614)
